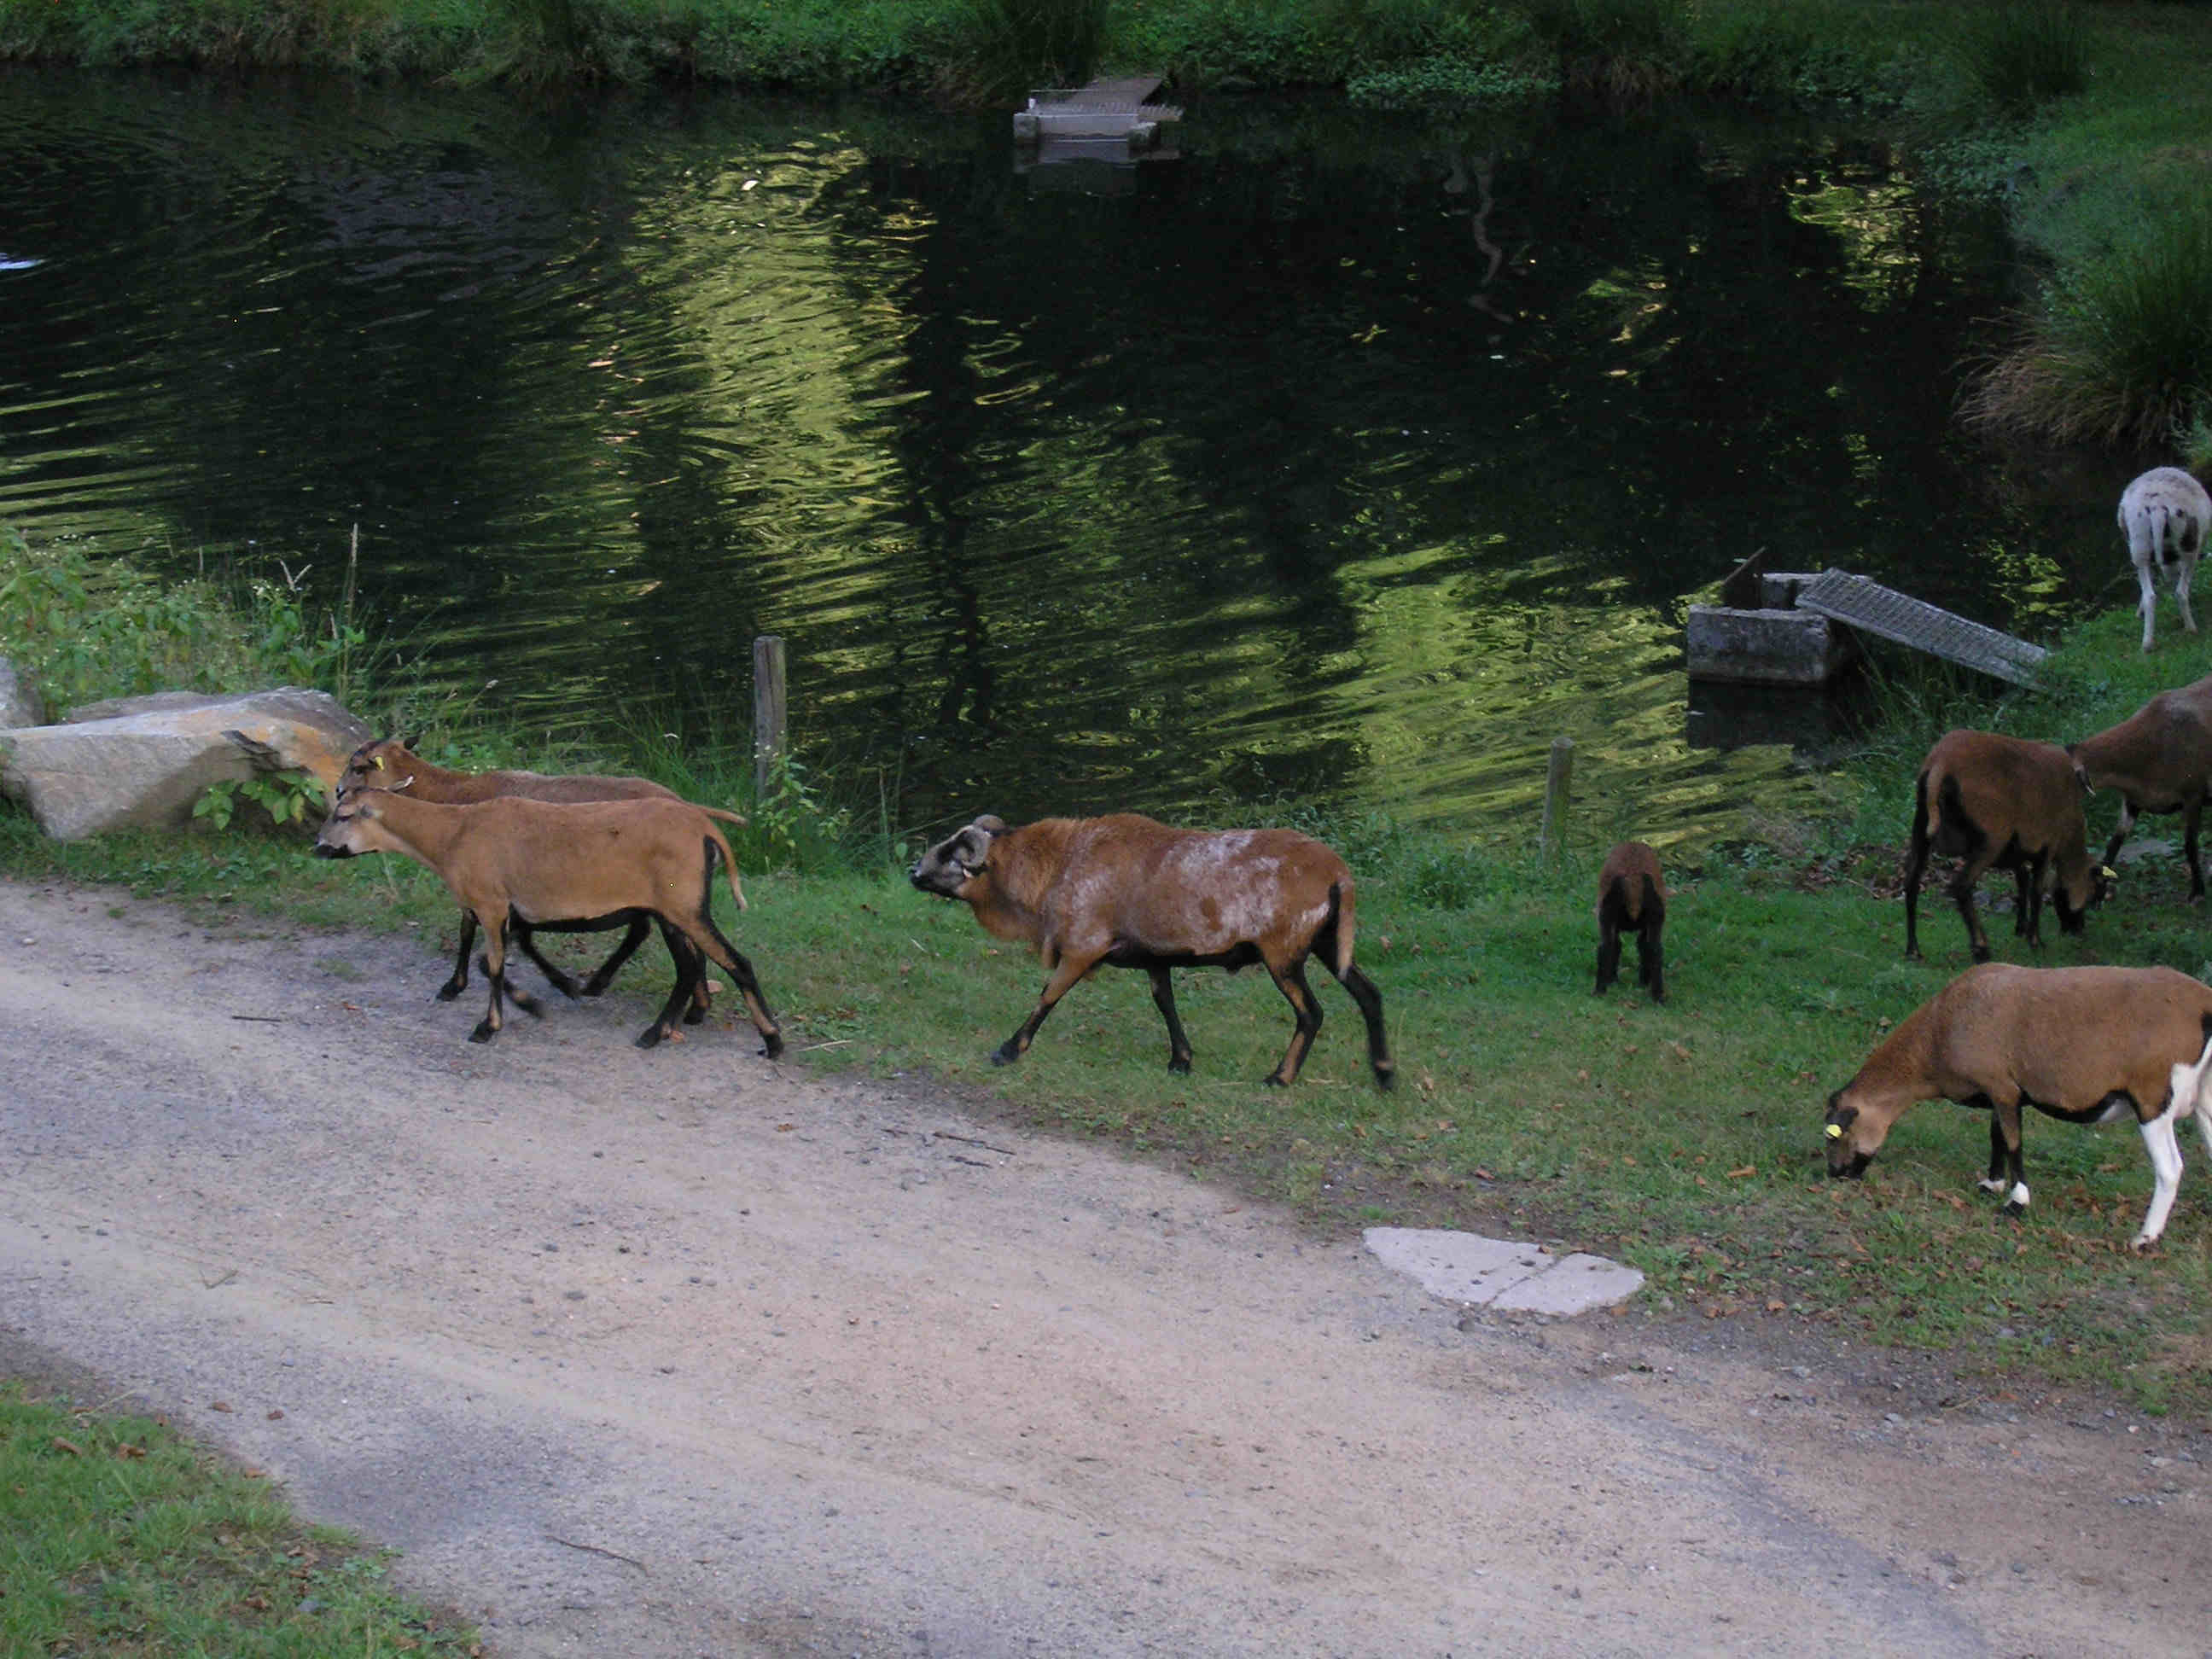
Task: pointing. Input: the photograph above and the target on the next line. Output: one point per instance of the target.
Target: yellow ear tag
(2108, 872)
(379, 762)
(1835, 1132)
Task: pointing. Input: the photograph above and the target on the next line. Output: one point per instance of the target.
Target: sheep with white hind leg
(2165, 514)
(2088, 1045)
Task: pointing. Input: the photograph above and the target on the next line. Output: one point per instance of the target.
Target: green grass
(118, 1537)
(1685, 1139)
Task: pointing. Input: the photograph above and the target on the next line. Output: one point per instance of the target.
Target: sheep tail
(726, 816)
(718, 847)
(1340, 926)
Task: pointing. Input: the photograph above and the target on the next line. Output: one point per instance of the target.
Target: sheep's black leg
(1064, 979)
(2190, 815)
(496, 971)
(2006, 1164)
(460, 981)
(1370, 1008)
(1915, 864)
(1651, 968)
(1292, 982)
(708, 939)
(2126, 826)
(1609, 945)
(526, 941)
(2024, 890)
(640, 924)
(521, 999)
(1962, 895)
(1164, 1000)
(691, 968)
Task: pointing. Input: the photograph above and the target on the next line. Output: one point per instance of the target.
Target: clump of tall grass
(985, 50)
(2020, 53)
(1623, 50)
(2122, 351)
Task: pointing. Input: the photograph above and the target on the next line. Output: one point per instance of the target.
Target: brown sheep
(549, 862)
(2089, 1045)
(389, 763)
(1631, 894)
(1126, 892)
(2002, 803)
(2160, 758)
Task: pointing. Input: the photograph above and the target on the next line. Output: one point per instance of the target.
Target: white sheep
(2165, 514)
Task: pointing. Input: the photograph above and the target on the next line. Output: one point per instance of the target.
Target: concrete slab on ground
(1499, 1272)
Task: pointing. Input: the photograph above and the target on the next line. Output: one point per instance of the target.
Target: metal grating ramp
(1101, 109)
(1887, 614)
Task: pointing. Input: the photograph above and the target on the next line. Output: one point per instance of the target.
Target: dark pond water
(1337, 460)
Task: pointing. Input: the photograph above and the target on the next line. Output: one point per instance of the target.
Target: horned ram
(1125, 891)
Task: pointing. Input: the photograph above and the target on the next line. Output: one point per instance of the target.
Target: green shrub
(2021, 53)
(82, 630)
(2122, 352)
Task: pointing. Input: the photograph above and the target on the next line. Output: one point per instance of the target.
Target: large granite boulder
(141, 762)
(19, 699)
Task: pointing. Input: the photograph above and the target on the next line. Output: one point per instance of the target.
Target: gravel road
(684, 1354)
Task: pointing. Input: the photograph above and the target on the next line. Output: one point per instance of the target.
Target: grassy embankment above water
(117, 1537)
(1684, 1138)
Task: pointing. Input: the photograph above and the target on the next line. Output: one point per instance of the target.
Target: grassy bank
(117, 1537)
(1685, 1139)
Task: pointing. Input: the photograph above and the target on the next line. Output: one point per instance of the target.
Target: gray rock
(19, 699)
(142, 762)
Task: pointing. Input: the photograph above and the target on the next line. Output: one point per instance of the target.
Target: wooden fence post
(1556, 779)
(768, 710)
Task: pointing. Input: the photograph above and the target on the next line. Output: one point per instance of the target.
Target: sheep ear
(403, 783)
(990, 824)
(2082, 777)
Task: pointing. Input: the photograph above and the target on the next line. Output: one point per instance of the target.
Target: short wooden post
(768, 709)
(1556, 779)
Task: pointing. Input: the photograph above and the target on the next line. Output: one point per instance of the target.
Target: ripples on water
(1292, 472)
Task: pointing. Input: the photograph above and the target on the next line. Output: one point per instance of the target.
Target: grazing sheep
(2164, 514)
(549, 862)
(2160, 758)
(388, 764)
(2002, 803)
(1630, 894)
(1128, 892)
(2089, 1045)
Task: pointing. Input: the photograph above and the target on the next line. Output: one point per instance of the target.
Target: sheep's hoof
(1005, 1054)
(485, 1032)
(2142, 1244)
(2014, 1207)
(1981, 953)
(1386, 1078)
(529, 1005)
(651, 1036)
(694, 1013)
(772, 1046)
(1179, 1064)
(1277, 1080)
(452, 989)
(560, 982)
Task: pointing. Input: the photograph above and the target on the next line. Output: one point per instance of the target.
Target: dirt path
(680, 1353)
